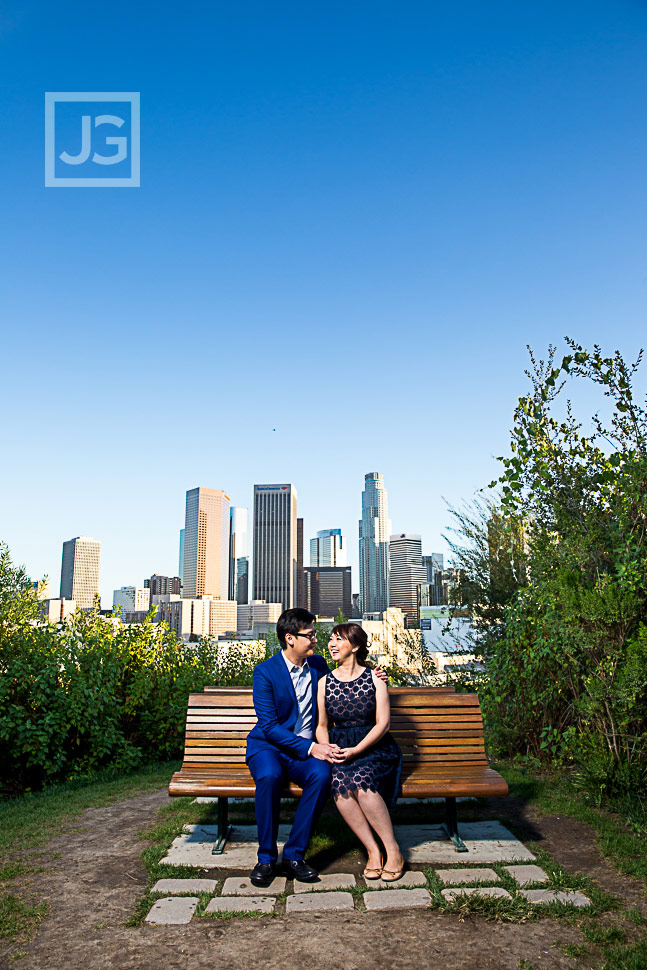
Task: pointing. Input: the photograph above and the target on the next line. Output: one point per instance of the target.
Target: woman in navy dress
(354, 714)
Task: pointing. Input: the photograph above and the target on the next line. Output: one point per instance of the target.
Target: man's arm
(268, 721)
(378, 670)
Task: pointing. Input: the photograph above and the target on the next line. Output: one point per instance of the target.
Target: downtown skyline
(192, 497)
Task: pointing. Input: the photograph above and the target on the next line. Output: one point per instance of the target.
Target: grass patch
(19, 919)
(626, 957)
(236, 914)
(14, 869)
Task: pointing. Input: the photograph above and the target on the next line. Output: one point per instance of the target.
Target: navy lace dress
(351, 715)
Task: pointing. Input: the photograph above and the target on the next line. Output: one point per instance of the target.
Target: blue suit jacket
(276, 707)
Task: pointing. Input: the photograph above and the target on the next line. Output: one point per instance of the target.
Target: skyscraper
(328, 548)
(301, 576)
(181, 562)
(328, 590)
(80, 571)
(406, 572)
(275, 544)
(374, 529)
(433, 564)
(206, 544)
(238, 555)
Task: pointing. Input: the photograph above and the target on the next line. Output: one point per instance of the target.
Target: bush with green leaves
(93, 693)
(556, 567)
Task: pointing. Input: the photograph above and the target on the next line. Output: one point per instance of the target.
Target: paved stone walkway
(486, 842)
(332, 893)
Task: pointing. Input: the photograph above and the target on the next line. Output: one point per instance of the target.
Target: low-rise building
(250, 615)
(131, 598)
(201, 616)
(57, 610)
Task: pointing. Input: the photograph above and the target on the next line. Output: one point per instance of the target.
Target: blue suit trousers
(269, 769)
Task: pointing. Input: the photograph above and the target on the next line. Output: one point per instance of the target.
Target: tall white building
(131, 598)
(275, 544)
(206, 544)
(406, 571)
(328, 548)
(374, 530)
(238, 555)
(80, 571)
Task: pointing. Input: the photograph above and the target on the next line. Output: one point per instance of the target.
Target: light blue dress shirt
(302, 682)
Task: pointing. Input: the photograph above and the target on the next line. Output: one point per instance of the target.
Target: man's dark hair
(291, 621)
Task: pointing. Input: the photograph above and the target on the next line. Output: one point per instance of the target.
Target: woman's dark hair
(291, 621)
(357, 637)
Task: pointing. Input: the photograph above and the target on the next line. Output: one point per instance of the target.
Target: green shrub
(94, 693)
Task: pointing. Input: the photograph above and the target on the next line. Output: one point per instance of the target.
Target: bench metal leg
(224, 829)
(451, 825)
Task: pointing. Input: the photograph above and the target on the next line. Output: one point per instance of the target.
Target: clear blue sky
(352, 219)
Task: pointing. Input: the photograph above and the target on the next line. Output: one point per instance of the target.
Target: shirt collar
(294, 667)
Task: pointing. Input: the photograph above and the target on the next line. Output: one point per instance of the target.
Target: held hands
(332, 753)
(344, 754)
(325, 752)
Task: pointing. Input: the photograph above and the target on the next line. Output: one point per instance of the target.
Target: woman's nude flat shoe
(370, 873)
(392, 875)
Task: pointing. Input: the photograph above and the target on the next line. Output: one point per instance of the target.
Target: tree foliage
(93, 693)
(560, 602)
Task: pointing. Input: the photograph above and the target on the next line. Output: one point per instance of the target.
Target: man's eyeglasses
(311, 636)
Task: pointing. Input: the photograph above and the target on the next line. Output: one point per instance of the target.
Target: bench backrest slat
(431, 725)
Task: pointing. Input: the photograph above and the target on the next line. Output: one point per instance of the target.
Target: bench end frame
(224, 828)
(451, 825)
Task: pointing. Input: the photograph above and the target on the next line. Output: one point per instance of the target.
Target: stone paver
(396, 899)
(241, 904)
(185, 886)
(524, 875)
(172, 910)
(496, 892)
(458, 877)
(544, 896)
(319, 902)
(485, 841)
(408, 881)
(340, 880)
(193, 847)
(242, 886)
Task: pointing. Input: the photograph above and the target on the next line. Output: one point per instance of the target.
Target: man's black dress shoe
(262, 874)
(299, 870)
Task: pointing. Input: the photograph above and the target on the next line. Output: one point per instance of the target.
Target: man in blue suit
(281, 745)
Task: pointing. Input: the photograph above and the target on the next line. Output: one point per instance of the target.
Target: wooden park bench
(440, 733)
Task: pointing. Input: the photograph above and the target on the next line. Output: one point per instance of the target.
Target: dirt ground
(95, 883)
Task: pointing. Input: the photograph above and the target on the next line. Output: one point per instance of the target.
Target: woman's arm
(321, 733)
(382, 721)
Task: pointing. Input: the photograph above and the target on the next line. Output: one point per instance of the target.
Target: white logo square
(92, 139)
